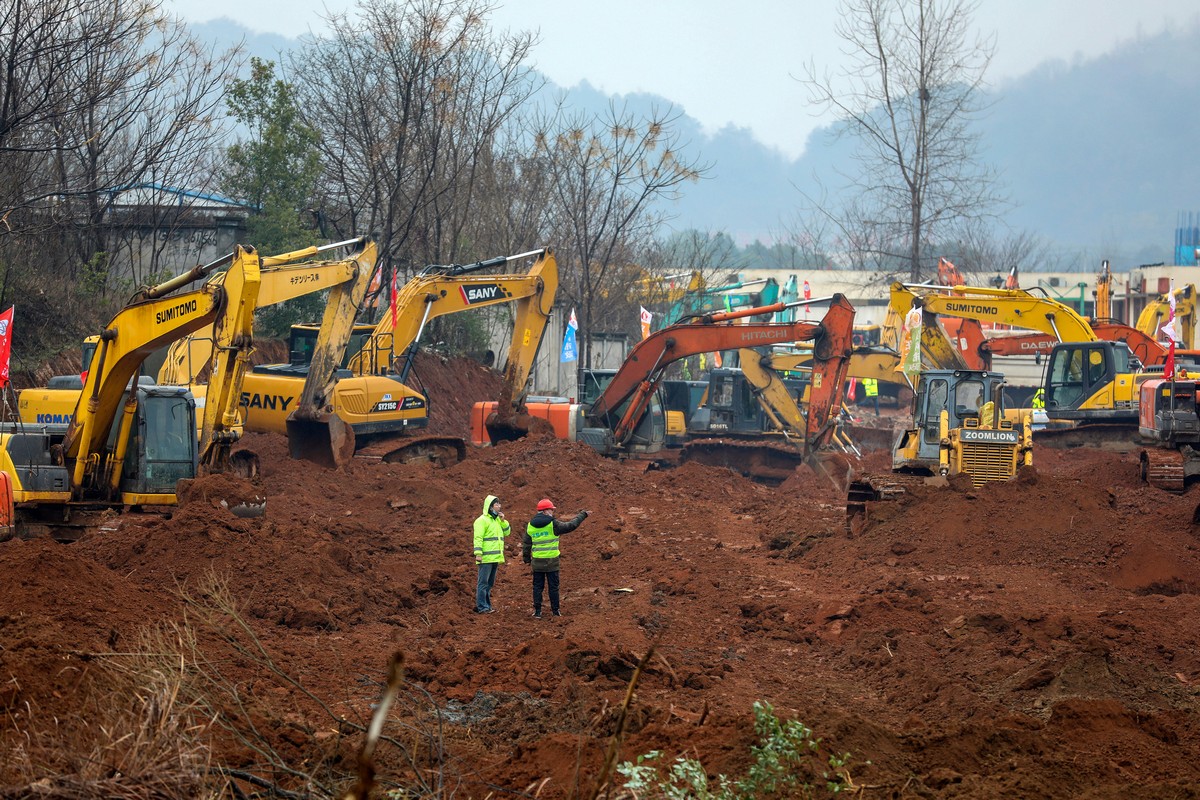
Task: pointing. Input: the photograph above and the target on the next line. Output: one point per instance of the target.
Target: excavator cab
(649, 436)
(1084, 378)
(164, 447)
(732, 406)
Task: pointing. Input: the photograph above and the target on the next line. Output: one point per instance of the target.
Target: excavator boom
(136, 332)
(642, 370)
(1148, 351)
(442, 290)
(1004, 306)
(372, 389)
(1156, 313)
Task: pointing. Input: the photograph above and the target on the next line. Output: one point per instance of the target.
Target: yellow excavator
(370, 387)
(866, 361)
(127, 442)
(212, 361)
(283, 277)
(1091, 385)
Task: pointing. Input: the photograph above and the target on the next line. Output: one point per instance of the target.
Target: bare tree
(97, 99)
(607, 174)
(986, 255)
(909, 94)
(147, 104)
(412, 96)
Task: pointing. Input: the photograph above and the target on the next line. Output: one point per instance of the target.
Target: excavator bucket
(324, 440)
(508, 427)
(834, 467)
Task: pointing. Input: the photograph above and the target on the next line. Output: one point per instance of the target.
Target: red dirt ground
(1033, 639)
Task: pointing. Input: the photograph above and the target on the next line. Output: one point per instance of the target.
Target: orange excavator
(617, 422)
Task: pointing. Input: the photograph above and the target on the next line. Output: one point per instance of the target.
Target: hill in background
(1095, 155)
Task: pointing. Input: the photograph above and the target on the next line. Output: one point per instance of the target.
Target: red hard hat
(545, 505)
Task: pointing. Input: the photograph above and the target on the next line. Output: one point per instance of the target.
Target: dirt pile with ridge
(1032, 639)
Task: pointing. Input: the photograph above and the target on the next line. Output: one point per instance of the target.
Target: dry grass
(139, 741)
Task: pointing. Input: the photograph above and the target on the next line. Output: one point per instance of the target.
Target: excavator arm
(154, 318)
(314, 431)
(442, 290)
(643, 369)
(1104, 293)
(867, 361)
(1004, 306)
(232, 344)
(831, 356)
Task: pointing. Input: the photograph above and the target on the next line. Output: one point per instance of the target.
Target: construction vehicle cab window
(1079, 376)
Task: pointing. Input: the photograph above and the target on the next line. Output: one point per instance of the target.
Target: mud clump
(211, 490)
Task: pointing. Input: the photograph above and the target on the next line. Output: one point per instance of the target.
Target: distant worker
(1039, 399)
(490, 529)
(541, 549)
(871, 387)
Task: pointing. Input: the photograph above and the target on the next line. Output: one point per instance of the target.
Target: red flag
(5, 344)
(394, 297)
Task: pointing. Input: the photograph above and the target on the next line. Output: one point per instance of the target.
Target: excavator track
(1164, 469)
(441, 450)
(869, 495)
(760, 461)
(866, 489)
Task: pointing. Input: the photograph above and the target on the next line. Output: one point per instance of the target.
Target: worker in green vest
(540, 549)
(871, 389)
(1039, 399)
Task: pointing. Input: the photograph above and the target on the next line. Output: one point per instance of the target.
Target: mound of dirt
(1031, 639)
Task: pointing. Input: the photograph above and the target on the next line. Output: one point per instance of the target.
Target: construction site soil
(1032, 639)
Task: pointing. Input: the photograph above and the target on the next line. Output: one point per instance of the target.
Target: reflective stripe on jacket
(490, 531)
(545, 562)
(544, 541)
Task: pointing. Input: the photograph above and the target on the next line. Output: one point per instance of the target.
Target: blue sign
(570, 348)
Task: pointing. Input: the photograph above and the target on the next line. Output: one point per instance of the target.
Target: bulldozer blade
(326, 440)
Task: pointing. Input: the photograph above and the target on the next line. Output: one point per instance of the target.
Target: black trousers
(550, 581)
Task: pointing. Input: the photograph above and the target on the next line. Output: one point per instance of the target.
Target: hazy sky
(724, 68)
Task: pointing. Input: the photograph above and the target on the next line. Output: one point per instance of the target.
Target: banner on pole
(910, 346)
(5, 344)
(570, 346)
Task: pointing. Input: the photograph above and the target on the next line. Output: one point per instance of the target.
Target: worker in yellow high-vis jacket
(490, 529)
